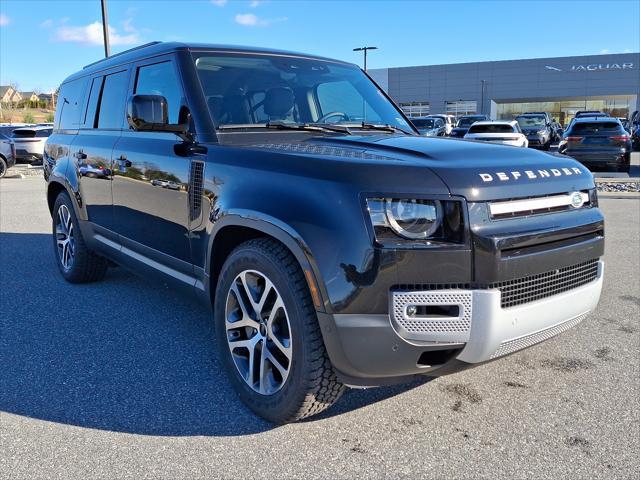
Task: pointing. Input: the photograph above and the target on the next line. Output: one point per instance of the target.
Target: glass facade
(461, 107)
(564, 110)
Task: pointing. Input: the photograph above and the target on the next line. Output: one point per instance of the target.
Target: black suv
(599, 143)
(336, 245)
(539, 128)
(464, 122)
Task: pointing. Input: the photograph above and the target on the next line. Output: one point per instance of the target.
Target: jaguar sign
(593, 67)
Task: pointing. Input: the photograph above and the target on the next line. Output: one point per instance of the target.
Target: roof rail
(122, 53)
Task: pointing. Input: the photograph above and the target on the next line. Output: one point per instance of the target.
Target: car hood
(475, 170)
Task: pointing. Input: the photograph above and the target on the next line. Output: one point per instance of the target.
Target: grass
(25, 115)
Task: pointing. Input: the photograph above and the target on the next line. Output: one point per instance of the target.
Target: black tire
(311, 385)
(3, 167)
(86, 266)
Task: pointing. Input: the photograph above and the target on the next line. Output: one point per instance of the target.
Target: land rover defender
(336, 246)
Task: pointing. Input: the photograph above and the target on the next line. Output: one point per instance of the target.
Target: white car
(29, 142)
(502, 132)
(449, 122)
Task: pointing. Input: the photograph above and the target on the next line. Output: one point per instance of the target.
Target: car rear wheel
(268, 334)
(76, 262)
(3, 167)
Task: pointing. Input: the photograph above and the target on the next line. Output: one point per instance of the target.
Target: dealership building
(503, 89)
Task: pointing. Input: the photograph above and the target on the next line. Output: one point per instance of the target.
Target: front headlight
(417, 220)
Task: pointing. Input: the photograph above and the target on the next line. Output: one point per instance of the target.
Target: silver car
(7, 154)
(29, 142)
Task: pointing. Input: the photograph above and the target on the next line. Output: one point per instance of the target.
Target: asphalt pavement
(119, 379)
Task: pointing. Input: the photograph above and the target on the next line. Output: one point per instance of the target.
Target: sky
(42, 42)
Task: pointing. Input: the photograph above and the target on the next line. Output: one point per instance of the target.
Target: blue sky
(41, 42)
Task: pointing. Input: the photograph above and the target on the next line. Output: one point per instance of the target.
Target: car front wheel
(76, 262)
(268, 334)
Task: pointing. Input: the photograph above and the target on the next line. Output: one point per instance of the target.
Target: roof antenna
(105, 28)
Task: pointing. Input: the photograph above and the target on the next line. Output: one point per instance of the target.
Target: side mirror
(149, 113)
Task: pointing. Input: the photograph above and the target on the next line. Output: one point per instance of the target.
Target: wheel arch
(238, 227)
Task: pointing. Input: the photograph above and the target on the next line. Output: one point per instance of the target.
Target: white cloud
(92, 34)
(48, 23)
(4, 20)
(254, 3)
(219, 3)
(604, 51)
(251, 20)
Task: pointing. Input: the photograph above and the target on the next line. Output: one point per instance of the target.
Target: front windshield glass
(249, 90)
(531, 121)
(424, 122)
(468, 121)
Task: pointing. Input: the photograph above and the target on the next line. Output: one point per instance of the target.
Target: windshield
(492, 128)
(530, 121)
(251, 90)
(424, 122)
(468, 121)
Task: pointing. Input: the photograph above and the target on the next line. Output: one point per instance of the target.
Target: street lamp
(364, 49)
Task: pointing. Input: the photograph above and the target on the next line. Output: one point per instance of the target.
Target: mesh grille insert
(542, 285)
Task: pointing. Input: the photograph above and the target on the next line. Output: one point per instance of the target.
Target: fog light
(411, 310)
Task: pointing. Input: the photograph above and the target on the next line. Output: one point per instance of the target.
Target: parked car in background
(464, 123)
(599, 143)
(7, 154)
(7, 129)
(502, 132)
(449, 121)
(30, 143)
(556, 128)
(626, 124)
(635, 129)
(430, 126)
(537, 129)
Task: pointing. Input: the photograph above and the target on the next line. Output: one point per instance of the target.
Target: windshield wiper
(374, 126)
(279, 125)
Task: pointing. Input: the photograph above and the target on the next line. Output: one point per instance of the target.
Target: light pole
(364, 49)
(105, 28)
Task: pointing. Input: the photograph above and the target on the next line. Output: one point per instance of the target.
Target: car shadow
(120, 355)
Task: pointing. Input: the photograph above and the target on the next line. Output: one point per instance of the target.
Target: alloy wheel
(258, 332)
(65, 239)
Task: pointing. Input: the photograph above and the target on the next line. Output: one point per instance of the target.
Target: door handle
(80, 155)
(123, 161)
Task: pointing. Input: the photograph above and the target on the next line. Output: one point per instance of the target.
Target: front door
(150, 200)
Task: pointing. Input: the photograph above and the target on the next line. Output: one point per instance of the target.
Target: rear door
(150, 181)
(102, 123)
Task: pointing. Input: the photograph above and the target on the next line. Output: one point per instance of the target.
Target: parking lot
(120, 379)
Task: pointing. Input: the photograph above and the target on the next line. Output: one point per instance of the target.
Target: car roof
(599, 119)
(496, 122)
(35, 127)
(160, 48)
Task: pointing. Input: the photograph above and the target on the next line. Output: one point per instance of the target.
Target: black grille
(528, 289)
(195, 189)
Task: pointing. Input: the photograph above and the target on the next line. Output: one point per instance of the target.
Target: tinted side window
(92, 104)
(112, 101)
(161, 79)
(70, 101)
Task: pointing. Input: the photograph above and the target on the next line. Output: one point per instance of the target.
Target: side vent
(196, 176)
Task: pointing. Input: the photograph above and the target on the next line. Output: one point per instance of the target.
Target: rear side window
(70, 100)
(491, 129)
(161, 79)
(92, 105)
(595, 128)
(112, 101)
(24, 133)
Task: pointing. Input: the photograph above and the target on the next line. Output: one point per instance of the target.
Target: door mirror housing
(149, 113)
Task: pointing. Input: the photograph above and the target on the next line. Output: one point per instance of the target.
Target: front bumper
(369, 350)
